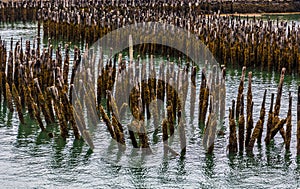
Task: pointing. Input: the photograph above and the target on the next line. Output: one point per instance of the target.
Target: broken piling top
(279, 93)
(243, 73)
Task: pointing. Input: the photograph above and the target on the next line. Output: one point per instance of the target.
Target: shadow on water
(46, 135)
(209, 165)
(58, 155)
(138, 170)
(4, 113)
(75, 152)
(9, 119)
(26, 132)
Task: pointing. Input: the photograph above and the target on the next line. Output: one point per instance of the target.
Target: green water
(30, 159)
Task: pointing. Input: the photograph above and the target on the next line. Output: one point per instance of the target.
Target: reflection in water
(163, 171)
(181, 171)
(75, 153)
(209, 165)
(58, 156)
(43, 137)
(138, 176)
(287, 161)
(9, 119)
(232, 160)
(25, 133)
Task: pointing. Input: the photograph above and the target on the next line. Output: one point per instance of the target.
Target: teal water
(30, 159)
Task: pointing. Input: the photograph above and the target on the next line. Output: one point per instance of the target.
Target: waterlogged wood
(278, 102)
(277, 127)
(222, 95)
(66, 65)
(17, 101)
(58, 112)
(142, 133)
(154, 112)
(240, 92)
(202, 94)
(210, 129)
(205, 103)
(270, 121)
(289, 125)
(147, 98)
(9, 98)
(170, 117)
(107, 122)
(233, 146)
(262, 117)
(74, 126)
(233, 108)
(49, 102)
(152, 78)
(193, 91)
(255, 135)
(131, 130)
(165, 136)
(118, 129)
(33, 108)
(42, 102)
(241, 124)
(249, 110)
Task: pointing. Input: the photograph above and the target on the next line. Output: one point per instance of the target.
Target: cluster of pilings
(44, 87)
(33, 81)
(141, 90)
(18, 11)
(234, 41)
(248, 133)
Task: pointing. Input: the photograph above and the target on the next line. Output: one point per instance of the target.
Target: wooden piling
(107, 122)
(202, 96)
(257, 132)
(240, 92)
(270, 121)
(241, 124)
(249, 110)
(278, 102)
(165, 136)
(9, 98)
(262, 117)
(289, 125)
(210, 129)
(233, 148)
(17, 101)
